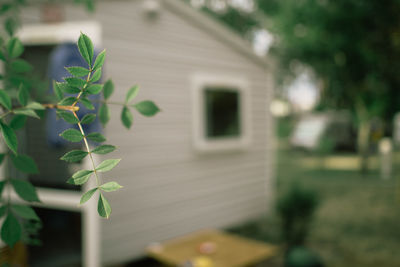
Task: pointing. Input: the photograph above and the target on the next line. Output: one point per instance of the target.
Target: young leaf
(68, 101)
(104, 149)
(74, 156)
(14, 47)
(24, 163)
(86, 102)
(108, 89)
(75, 82)
(103, 207)
(21, 66)
(99, 60)
(147, 108)
(96, 137)
(81, 177)
(5, 100)
(17, 122)
(25, 190)
(126, 117)
(110, 186)
(67, 116)
(9, 137)
(35, 106)
(96, 76)
(23, 95)
(104, 114)
(72, 135)
(131, 94)
(85, 47)
(85, 197)
(11, 230)
(10, 25)
(107, 165)
(94, 89)
(78, 71)
(57, 91)
(26, 112)
(25, 212)
(88, 118)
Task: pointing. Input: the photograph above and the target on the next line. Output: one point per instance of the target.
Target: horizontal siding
(169, 188)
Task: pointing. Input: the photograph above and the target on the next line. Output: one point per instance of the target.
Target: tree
(17, 102)
(352, 46)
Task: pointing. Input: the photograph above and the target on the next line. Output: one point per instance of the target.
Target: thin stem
(83, 132)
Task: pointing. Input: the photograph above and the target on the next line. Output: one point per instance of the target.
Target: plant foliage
(17, 103)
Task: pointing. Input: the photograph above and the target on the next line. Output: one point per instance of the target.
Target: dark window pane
(222, 108)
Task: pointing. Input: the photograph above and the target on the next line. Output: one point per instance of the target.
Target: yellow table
(230, 250)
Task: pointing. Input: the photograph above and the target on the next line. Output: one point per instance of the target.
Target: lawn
(357, 222)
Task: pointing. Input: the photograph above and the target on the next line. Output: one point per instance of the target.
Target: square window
(221, 113)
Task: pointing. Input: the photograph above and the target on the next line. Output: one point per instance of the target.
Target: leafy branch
(17, 104)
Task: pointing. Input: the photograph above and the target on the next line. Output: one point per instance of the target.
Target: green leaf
(78, 71)
(104, 114)
(85, 197)
(104, 149)
(35, 105)
(57, 91)
(88, 118)
(14, 47)
(2, 184)
(3, 210)
(103, 207)
(108, 89)
(94, 89)
(126, 117)
(11, 230)
(107, 165)
(23, 95)
(10, 25)
(96, 76)
(24, 163)
(110, 186)
(74, 156)
(86, 103)
(85, 47)
(99, 60)
(17, 122)
(2, 57)
(96, 137)
(81, 176)
(21, 66)
(147, 108)
(5, 100)
(131, 94)
(72, 135)
(2, 155)
(68, 101)
(25, 190)
(67, 116)
(67, 88)
(9, 137)
(25, 212)
(75, 82)
(26, 112)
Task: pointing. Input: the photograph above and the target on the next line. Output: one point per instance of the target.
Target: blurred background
(280, 123)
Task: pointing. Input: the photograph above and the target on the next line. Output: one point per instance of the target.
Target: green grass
(357, 222)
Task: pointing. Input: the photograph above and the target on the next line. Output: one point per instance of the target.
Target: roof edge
(219, 31)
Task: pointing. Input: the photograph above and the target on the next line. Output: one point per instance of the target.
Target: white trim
(58, 33)
(202, 144)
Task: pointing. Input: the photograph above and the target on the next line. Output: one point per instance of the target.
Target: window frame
(237, 83)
